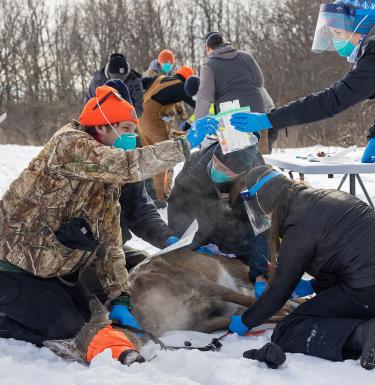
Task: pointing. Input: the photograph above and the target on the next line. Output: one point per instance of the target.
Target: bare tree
(48, 56)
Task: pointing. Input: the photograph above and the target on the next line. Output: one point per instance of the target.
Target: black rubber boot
(270, 353)
(362, 341)
(130, 356)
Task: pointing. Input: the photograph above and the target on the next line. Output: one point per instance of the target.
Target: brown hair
(279, 212)
(279, 215)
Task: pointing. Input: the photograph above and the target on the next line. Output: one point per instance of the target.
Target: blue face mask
(343, 47)
(166, 67)
(126, 142)
(218, 176)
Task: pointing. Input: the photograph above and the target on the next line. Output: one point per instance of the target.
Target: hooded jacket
(227, 75)
(133, 82)
(153, 70)
(74, 176)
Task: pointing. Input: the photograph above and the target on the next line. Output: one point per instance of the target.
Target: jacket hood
(154, 66)
(224, 52)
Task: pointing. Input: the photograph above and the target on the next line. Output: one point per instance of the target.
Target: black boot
(362, 341)
(270, 353)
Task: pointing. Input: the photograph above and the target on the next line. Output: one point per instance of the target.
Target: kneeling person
(208, 189)
(328, 234)
(62, 214)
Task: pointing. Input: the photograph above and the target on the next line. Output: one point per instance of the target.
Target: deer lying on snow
(198, 292)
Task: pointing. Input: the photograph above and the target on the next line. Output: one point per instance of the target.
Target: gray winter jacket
(230, 74)
(133, 82)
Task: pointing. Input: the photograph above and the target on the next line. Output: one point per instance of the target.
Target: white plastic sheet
(185, 240)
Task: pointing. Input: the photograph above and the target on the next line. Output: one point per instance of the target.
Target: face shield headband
(343, 17)
(257, 216)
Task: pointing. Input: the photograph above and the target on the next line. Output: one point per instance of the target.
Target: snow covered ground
(22, 363)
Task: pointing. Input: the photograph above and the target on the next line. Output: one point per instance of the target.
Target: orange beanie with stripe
(110, 338)
(185, 72)
(107, 107)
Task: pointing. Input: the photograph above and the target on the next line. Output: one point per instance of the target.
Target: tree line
(48, 55)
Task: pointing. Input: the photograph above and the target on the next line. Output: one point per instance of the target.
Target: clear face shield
(335, 22)
(257, 216)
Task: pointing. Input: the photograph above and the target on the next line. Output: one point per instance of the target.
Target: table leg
(342, 181)
(365, 191)
(352, 184)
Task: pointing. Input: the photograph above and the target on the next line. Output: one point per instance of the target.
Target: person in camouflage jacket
(75, 178)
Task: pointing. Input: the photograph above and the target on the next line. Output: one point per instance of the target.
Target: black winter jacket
(139, 215)
(326, 232)
(133, 82)
(170, 95)
(194, 197)
(356, 86)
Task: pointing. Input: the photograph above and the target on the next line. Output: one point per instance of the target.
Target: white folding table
(303, 166)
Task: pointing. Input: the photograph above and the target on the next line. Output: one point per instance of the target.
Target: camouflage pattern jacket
(75, 176)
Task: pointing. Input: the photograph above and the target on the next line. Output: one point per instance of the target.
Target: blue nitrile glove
(200, 128)
(259, 288)
(204, 250)
(237, 326)
(369, 154)
(171, 240)
(250, 122)
(303, 289)
(121, 313)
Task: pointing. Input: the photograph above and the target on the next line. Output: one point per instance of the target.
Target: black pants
(321, 326)
(35, 309)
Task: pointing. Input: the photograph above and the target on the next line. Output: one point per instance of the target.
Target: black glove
(185, 125)
(270, 353)
(324, 281)
(77, 234)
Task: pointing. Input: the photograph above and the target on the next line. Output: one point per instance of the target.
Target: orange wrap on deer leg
(109, 338)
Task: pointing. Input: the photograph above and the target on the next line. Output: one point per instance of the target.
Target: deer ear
(66, 349)
(99, 313)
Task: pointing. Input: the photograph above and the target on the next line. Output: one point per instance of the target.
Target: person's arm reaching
(141, 215)
(356, 86)
(296, 250)
(78, 155)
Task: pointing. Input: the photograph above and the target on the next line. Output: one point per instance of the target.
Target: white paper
(231, 139)
(185, 240)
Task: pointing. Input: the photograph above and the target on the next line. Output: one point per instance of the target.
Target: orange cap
(166, 56)
(185, 72)
(107, 107)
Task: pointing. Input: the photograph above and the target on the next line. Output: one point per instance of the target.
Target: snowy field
(23, 364)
